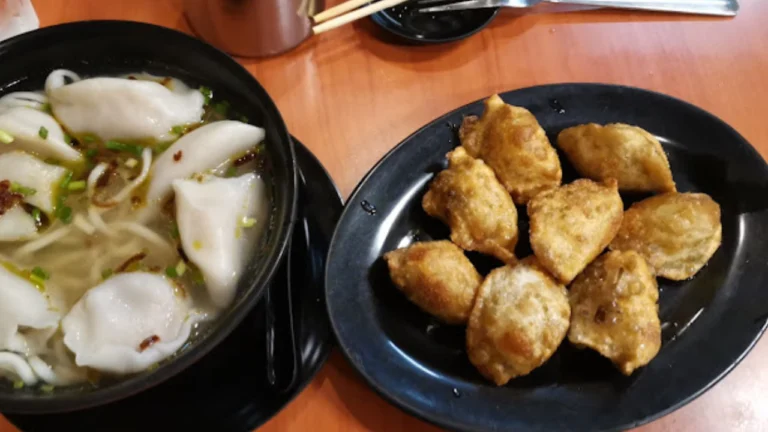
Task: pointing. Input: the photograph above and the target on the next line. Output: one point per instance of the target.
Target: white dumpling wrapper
(24, 123)
(17, 225)
(118, 108)
(210, 217)
(106, 327)
(15, 367)
(29, 171)
(23, 305)
(202, 150)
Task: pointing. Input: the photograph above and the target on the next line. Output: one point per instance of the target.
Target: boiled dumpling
(16, 224)
(127, 323)
(118, 108)
(28, 171)
(218, 221)
(22, 306)
(15, 367)
(201, 150)
(24, 125)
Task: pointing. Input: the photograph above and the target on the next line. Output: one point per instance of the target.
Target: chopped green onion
(222, 108)
(131, 163)
(37, 280)
(171, 272)
(65, 214)
(159, 148)
(175, 231)
(42, 274)
(37, 216)
(77, 185)
(231, 172)
(248, 222)
(118, 146)
(43, 132)
(181, 268)
(178, 130)
(89, 138)
(26, 191)
(152, 367)
(52, 161)
(207, 94)
(47, 388)
(5, 137)
(18, 384)
(91, 153)
(66, 180)
(106, 273)
(46, 108)
(244, 119)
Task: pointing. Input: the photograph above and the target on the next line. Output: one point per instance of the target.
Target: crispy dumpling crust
(572, 225)
(520, 317)
(677, 233)
(614, 310)
(471, 201)
(437, 277)
(510, 140)
(627, 153)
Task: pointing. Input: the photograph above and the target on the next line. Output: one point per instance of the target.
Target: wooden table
(351, 97)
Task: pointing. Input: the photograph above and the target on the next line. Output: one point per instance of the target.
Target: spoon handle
(281, 340)
(705, 7)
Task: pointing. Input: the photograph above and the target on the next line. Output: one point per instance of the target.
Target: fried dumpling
(614, 310)
(510, 140)
(219, 221)
(437, 277)
(520, 317)
(39, 178)
(200, 151)
(626, 153)
(127, 323)
(120, 108)
(677, 233)
(571, 225)
(25, 124)
(471, 201)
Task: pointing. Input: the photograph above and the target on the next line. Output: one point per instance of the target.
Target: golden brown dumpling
(510, 140)
(677, 233)
(571, 225)
(437, 277)
(614, 310)
(520, 317)
(471, 201)
(627, 153)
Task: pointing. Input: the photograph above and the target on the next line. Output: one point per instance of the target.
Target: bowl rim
(235, 313)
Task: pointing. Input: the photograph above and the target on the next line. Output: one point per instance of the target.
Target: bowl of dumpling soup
(147, 194)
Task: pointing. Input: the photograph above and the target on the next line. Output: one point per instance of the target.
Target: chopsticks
(333, 17)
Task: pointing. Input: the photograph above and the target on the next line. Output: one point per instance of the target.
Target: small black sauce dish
(412, 26)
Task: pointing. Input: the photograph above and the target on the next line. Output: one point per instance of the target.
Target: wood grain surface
(351, 96)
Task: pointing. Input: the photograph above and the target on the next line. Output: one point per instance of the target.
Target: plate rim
(354, 198)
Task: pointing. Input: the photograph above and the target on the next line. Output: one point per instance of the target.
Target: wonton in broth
(128, 209)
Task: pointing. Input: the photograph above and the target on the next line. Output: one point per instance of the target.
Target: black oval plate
(227, 391)
(710, 322)
(407, 23)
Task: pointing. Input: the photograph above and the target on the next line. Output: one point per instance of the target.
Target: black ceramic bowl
(114, 47)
